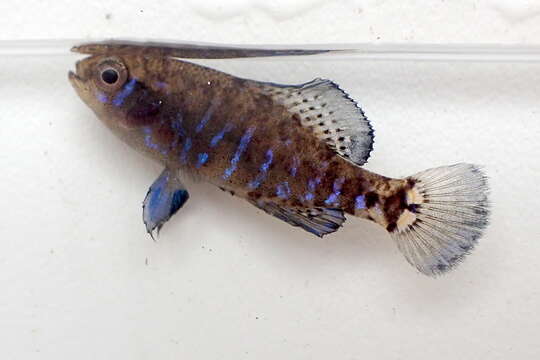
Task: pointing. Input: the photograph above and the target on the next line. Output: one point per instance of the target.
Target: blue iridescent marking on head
(283, 190)
(125, 92)
(185, 150)
(102, 97)
(202, 158)
(333, 199)
(360, 202)
(309, 196)
(217, 138)
(206, 117)
(244, 141)
(264, 168)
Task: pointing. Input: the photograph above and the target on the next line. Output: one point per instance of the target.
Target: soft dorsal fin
(334, 117)
(318, 221)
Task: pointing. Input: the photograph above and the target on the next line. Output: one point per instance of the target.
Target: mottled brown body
(294, 151)
(185, 91)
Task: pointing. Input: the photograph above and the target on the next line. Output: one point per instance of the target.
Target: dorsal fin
(318, 221)
(334, 117)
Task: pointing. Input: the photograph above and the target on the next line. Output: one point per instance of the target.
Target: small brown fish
(294, 151)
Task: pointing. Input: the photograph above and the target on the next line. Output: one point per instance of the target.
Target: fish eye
(110, 76)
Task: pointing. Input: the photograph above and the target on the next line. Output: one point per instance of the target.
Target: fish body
(294, 151)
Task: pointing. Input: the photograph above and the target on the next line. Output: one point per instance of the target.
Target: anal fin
(318, 221)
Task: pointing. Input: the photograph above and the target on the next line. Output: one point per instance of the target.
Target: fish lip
(74, 75)
(75, 79)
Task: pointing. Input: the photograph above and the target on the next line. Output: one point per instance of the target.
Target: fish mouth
(74, 77)
(75, 80)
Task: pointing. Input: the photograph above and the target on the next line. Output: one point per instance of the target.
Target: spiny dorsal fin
(333, 115)
(318, 221)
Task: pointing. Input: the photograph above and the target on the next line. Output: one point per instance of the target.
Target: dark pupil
(110, 76)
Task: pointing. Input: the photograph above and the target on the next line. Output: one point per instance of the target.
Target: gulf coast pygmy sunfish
(294, 151)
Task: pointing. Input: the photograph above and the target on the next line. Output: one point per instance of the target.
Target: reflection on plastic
(383, 51)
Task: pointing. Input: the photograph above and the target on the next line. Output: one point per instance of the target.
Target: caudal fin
(447, 212)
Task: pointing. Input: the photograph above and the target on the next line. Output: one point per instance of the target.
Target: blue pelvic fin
(318, 221)
(164, 198)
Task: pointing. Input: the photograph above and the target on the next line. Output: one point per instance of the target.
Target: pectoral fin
(164, 198)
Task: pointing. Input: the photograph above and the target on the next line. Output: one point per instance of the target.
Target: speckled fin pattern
(332, 115)
(318, 221)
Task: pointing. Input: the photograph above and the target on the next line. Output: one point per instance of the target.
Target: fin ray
(318, 221)
(443, 231)
(164, 198)
(334, 117)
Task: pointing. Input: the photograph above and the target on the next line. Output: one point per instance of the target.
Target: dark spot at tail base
(371, 199)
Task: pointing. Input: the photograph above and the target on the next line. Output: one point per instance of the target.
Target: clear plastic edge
(368, 51)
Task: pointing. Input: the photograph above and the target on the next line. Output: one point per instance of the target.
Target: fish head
(123, 93)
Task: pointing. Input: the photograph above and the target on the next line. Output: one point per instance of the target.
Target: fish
(294, 151)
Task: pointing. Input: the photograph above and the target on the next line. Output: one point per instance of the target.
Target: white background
(80, 279)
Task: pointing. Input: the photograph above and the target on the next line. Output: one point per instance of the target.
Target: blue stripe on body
(294, 167)
(312, 186)
(333, 198)
(178, 130)
(283, 190)
(360, 202)
(185, 151)
(263, 170)
(219, 136)
(206, 117)
(176, 125)
(201, 159)
(244, 141)
(148, 138)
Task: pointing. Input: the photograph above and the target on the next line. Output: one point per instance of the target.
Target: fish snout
(75, 76)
